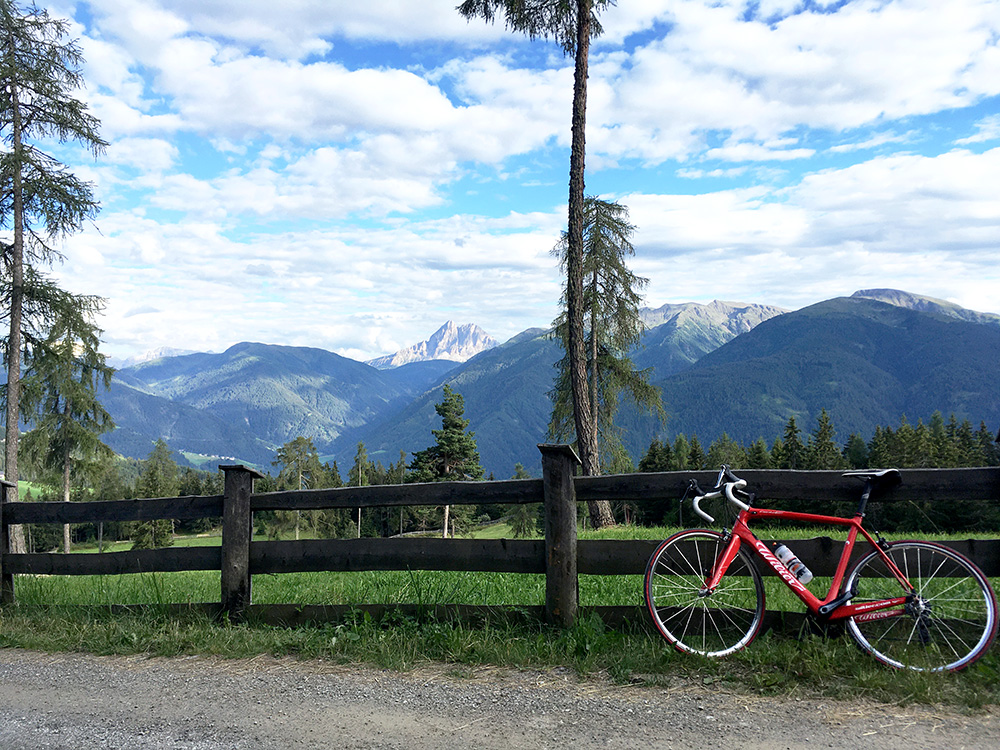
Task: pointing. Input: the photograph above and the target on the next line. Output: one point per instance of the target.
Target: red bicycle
(910, 604)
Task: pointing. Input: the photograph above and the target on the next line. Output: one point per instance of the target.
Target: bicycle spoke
(712, 623)
(949, 621)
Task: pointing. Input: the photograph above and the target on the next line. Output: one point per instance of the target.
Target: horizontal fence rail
(559, 556)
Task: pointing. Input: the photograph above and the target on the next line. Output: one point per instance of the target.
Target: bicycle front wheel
(949, 622)
(710, 623)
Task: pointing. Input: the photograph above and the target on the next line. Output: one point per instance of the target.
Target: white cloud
(875, 141)
(923, 224)
(143, 154)
(866, 63)
(324, 186)
(988, 129)
(744, 151)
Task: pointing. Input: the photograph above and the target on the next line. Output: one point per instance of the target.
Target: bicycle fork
(720, 566)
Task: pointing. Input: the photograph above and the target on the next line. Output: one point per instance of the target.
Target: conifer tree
(159, 478)
(967, 446)
(943, 450)
(572, 23)
(696, 455)
(792, 450)
(613, 325)
(682, 452)
(727, 451)
(40, 200)
(989, 447)
(822, 452)
(454, 457)
(300, 469)
(361, 474)
(878, 449)
(60, 395)
(856, 452)
(299, 463)
(526, 518)
(658, 457)
(758, 456)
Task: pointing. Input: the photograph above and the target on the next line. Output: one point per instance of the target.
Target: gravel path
(78, 702)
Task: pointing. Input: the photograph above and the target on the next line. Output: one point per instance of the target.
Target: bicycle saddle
(880, 477)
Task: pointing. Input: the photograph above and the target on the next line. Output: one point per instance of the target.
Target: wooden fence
(559, 556)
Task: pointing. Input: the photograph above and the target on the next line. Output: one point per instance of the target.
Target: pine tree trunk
(444, 529)
(575, 343)
(16, 307)
(585, 422)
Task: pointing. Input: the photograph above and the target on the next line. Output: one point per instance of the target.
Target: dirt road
(78, 702)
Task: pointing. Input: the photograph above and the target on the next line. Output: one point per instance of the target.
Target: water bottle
(795, 566)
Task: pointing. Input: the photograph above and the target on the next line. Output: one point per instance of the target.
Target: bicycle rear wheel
(950, 621)
(713, 623)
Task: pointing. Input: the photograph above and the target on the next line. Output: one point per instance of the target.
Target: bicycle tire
(712, 625)
(949, 624)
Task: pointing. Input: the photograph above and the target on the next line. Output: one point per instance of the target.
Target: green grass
(773, 665)
(46, 618)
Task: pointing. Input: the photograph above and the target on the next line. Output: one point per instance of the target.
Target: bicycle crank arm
(844, 598)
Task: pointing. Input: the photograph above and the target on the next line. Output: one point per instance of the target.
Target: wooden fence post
(237, 529)
(559, 463)
(6, 579)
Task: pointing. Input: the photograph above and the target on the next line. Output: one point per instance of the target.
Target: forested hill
(266, 394)
(727, 368)
(866, 362)
(506, 389)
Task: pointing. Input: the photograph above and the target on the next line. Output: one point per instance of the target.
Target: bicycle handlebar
(727, 487)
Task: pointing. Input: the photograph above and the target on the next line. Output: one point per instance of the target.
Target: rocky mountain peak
(456, 343)
(735, 317)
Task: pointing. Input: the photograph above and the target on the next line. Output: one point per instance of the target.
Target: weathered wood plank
(513, 491)
(594, 557)
(934, 485)
(169, 559)
(613, 557)
(820, 554)
(484, 555)
(180, 508)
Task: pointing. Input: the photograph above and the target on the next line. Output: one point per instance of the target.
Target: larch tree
(572, 24)
(60, 397)
(613, 327)
(41, 201)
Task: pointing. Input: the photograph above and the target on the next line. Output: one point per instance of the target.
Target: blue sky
(351, 175)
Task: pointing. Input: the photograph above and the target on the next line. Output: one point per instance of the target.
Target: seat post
(863, 503)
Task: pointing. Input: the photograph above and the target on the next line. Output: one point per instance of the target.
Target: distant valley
(722, 367)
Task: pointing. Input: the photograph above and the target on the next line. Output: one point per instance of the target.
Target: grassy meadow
(46, 617)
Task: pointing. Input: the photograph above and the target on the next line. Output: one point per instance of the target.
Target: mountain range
(722, 367)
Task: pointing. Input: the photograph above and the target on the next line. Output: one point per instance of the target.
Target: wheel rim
(712, 624)
(949, 622)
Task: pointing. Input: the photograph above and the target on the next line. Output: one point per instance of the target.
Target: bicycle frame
(834, 606)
